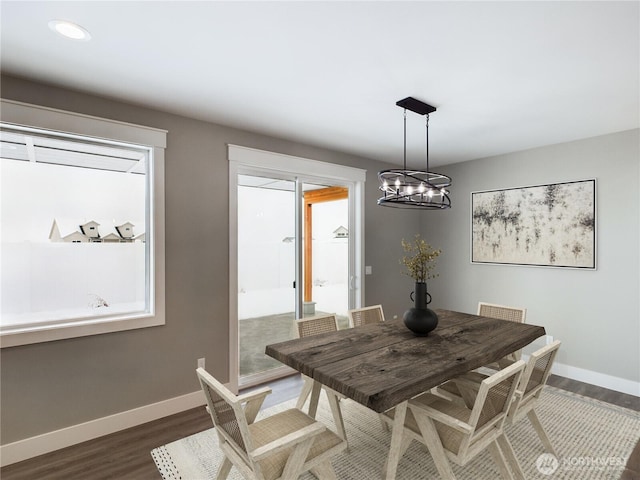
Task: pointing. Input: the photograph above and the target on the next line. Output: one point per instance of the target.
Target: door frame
(245, 160)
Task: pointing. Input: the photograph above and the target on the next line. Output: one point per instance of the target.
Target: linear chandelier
(420, 189)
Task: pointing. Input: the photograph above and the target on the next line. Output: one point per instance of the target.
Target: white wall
(595, 313)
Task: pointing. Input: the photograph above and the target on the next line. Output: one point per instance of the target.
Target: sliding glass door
(266, 269)
(272, 249)
(295, 250)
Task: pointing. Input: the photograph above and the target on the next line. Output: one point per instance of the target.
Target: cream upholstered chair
(533, 380)
(365, 315)
(452, 431)
(502, 312)
(282, 446)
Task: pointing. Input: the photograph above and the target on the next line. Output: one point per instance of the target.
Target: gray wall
(594, 313)
(48, 386)
(52, 385)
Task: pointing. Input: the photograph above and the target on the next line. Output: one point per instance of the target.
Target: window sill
(25, 334)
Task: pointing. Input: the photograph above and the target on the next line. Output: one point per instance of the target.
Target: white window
(82, 238)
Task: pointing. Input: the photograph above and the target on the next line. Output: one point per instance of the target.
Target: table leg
(313, 401)
(395, 450)
(337, 415)
(305, 392)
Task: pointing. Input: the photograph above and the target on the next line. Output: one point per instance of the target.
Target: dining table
(384, 365)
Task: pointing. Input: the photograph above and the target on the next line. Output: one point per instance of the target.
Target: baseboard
(65, 437)
(48, 442)
(599, 379)
(581, 375)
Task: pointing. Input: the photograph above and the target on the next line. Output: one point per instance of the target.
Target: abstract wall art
(550, 225)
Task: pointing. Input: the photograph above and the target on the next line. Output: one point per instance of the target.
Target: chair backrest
(535, 375)
(227, 414)
(493, 400)
(502, 312)
(365, 315)
(315, 325)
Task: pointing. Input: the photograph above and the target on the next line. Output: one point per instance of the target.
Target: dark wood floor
(126, 455)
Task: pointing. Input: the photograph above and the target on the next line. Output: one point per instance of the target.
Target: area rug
(593, 440)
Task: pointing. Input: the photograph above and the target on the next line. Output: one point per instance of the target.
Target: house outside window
(82, 239)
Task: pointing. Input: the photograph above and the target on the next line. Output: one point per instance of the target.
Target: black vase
(420, 320)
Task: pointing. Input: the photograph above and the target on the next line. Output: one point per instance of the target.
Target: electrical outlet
(201, 362)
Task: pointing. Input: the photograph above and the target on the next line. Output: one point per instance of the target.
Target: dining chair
(365, 315)
(502, 312)
(317, 324)
(281, 446)
(307, 327)
(454, 432)
(528, 393)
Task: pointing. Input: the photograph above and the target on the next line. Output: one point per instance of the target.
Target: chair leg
(304, 393)
(225, 468)
(510, 455)
(293, 467)
(432, 440)
(535, 421)
(500, 461)
(324, 471)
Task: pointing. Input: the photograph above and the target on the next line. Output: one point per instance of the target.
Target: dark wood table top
(385, 364)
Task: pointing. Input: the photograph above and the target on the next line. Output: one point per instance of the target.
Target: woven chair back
(502, 312)
(495, 396)
(223, 413)
(316, 325)
(366, 315)
(539, 369)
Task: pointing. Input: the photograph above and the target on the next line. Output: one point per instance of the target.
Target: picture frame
(551, 225)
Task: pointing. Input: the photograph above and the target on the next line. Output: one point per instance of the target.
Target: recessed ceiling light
(69, 30)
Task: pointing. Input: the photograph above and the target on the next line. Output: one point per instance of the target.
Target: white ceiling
(505, 76)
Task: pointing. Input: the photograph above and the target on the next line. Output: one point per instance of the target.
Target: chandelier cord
(405, 139)
(427, 124)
